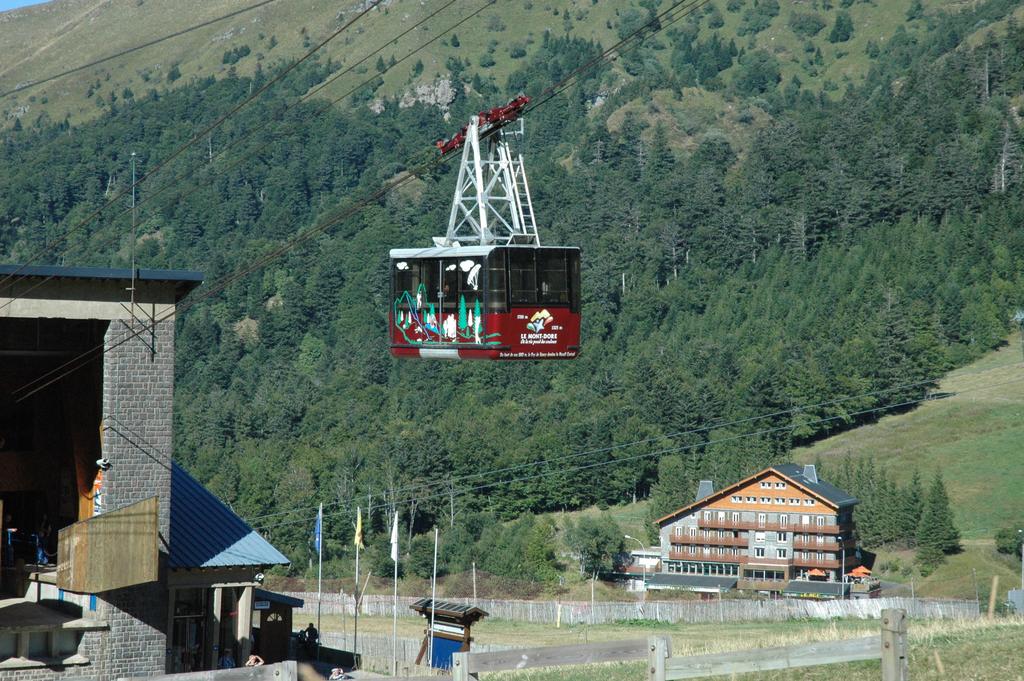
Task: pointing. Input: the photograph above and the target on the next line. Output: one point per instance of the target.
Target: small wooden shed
(450, 632)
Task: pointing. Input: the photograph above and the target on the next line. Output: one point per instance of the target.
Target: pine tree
(937, 535)
(910, 511)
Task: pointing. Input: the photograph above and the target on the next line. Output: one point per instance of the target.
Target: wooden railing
(822, 563)
(700, 540)
(715, 524)
(890, 647)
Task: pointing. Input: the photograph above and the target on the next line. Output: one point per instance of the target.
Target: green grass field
(968, 650)
(973, 437)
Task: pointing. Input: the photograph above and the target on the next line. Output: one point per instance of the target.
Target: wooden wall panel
(113, 550)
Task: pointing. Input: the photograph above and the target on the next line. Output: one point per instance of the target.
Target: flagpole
(355, 628)
(319, 570)
(394, 607)
(433, 597)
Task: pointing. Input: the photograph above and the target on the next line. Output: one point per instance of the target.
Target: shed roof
(274, 597)
(205, 533)
(462, 611)
(808, 587)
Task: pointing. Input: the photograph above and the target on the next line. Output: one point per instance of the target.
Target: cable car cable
(213, 126)
(666, 436)
(598, 464)
(31, 84)
(81, 360)
(178, 197)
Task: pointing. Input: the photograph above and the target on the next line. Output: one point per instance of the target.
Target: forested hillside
(767, 250)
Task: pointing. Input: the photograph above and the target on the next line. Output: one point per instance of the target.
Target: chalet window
(783, 536)
(751, 500)
(759, 552)
(808, 502)
(765, 484)
(737, 499)
(692, 531)
(677, 530)
(794, 502)
(766, 500)
(780, 485)
(721, 515)
(783, 520)
(735, 517)
(819, 539)
(779, 500)
(820, 520)
(781, 553)
(820, 556)
(759, 536)
(707, 515)
(707, 551)
(805, 520)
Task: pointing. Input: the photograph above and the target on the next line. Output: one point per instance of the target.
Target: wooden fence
(693, 612)
(379, 646)
(282, 671)
(890, 647)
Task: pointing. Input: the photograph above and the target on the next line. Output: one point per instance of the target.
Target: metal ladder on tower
(524, 202)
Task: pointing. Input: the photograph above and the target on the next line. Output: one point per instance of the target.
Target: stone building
(87, 478)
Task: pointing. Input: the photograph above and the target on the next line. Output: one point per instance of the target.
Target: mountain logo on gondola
(539, 320)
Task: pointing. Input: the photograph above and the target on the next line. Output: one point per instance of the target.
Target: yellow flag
(358, 541)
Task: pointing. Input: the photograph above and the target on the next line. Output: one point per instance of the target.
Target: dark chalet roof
(797, 474)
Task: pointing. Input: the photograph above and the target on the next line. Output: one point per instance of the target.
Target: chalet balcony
(822, 563)
(726, 524)
(709, 541)
(831, 544)
(707, 558)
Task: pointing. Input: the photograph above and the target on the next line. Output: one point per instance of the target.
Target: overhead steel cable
(635, 457)
(81, 360)
(654, 25)
(712, 425)
(122, 53)
(198, 136)
(196, 186)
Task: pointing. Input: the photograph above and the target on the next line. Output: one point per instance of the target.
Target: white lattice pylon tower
(492, 204)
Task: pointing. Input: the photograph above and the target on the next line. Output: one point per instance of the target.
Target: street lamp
(842, 565)
(642, 563)
(1021, 533)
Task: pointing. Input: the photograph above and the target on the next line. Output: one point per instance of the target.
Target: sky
(14, 4)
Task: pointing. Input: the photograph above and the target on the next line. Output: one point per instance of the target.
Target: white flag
(394, 539)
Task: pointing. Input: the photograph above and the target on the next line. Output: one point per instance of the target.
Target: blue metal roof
(186, 279)
(205, 533)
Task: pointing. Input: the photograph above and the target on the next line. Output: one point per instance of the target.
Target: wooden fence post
(894, 645)
(992, 597)
(658, 650)
(460, 667)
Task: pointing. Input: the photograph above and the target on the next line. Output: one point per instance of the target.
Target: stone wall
(138, 393)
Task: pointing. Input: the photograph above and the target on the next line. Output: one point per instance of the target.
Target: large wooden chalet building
(780, 530)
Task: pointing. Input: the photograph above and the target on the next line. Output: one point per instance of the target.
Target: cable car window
(574, 280)
(406, 279)
(496, 294)
(430, 274)
(471, 281)
(551, 270)
(522, 276)
(449, 293)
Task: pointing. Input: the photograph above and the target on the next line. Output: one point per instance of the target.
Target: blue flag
(318, 529)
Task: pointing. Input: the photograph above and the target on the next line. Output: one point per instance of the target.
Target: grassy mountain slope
(973, 437)
(47, 39)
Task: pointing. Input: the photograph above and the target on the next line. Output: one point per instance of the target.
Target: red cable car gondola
(488, 289)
